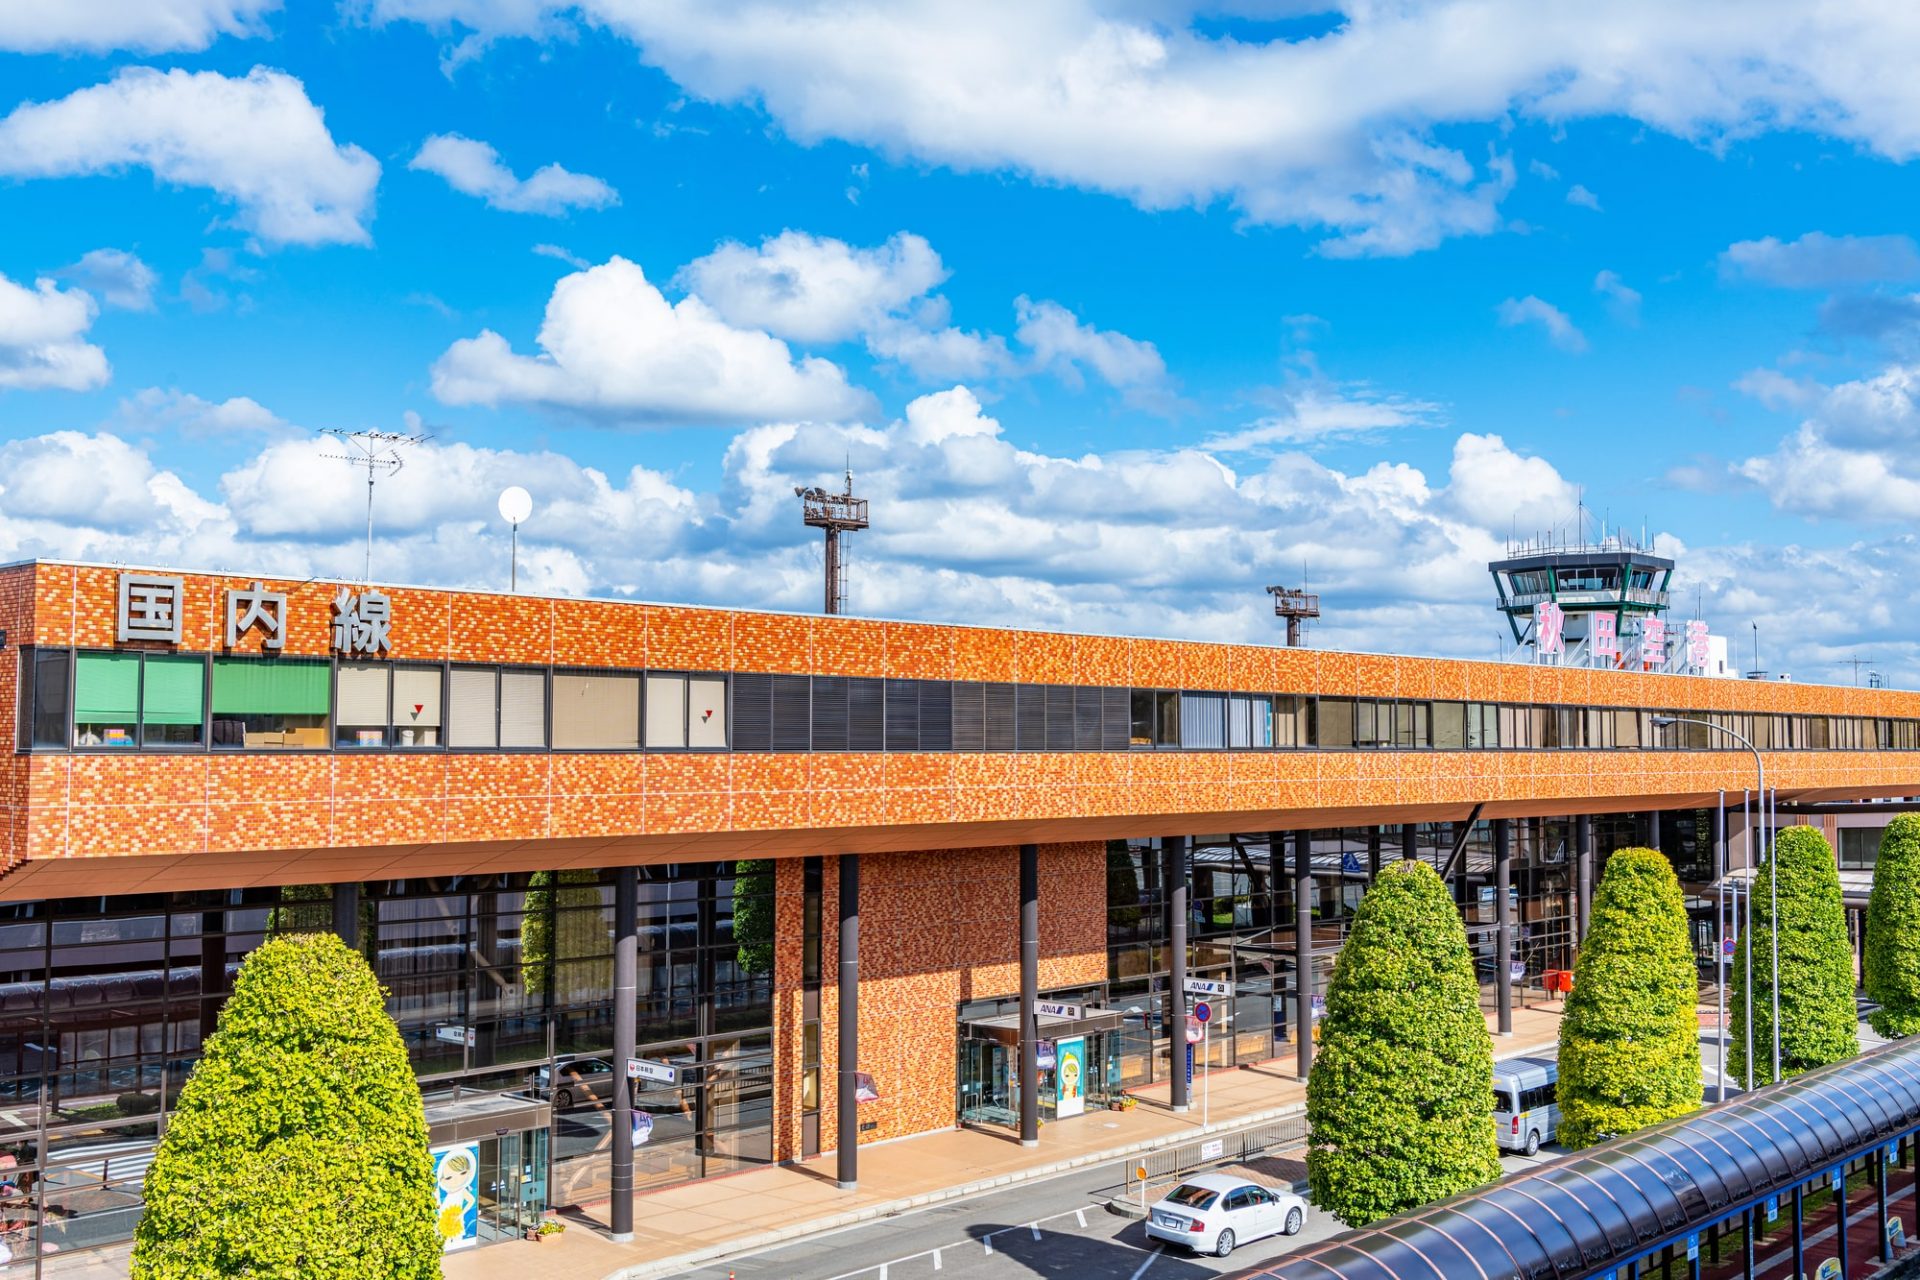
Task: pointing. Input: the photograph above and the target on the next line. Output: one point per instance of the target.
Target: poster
(642, 1128)
(456, 1182)
(1070, 1077)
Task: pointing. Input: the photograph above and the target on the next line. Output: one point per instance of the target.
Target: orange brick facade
(207, 819)
(937, 831)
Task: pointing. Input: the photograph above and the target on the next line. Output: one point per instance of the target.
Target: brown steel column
(848, 1164)
(1303, 949)
(626, 984)
(1173, 872)
(1029, 995)
(346, 914)
(1583, 854)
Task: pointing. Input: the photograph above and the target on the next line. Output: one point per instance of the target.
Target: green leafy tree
(1398, 1101)
(1819, 1022)
(565, 921)
(1630, 1041)
(753, 881)
(299, 1147)
(1893, 930)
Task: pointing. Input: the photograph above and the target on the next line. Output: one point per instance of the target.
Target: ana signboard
(1207, 987)
(1053, 1009)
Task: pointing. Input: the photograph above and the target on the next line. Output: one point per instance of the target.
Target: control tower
(1613, 577)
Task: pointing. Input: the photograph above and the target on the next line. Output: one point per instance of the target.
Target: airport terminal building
(516, 805)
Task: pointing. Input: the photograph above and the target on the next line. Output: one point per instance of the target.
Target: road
(1054, 1227)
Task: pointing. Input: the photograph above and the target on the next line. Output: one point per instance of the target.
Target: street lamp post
(1773, 893)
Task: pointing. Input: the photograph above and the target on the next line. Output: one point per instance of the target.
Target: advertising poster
(456, 1185)
(1071, 1077)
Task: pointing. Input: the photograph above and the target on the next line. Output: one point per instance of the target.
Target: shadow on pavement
(1084, 1258)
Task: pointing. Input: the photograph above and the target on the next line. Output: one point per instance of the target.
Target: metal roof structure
(1589, 1214)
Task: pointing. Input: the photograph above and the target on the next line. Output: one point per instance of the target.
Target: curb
(680, 1263)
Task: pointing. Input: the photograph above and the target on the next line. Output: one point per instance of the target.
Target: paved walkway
(680, 1227)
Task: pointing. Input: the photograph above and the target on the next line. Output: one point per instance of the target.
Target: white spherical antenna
(516, 504)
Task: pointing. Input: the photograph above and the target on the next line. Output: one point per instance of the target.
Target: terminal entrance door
(512, 1184)
(989, 1084)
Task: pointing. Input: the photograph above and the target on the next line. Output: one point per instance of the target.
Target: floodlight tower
(836, 513)
(1295, 606)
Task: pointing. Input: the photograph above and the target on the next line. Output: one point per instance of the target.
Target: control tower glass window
(1590, 578)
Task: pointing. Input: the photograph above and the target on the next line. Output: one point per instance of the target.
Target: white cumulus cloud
(43, 338)
(613, 347)
(152, 26)
(1552, 320)
(1820, 261)
(473, 168)
(116, 277)
(1062, 343)
(813, 289)
(257, 140)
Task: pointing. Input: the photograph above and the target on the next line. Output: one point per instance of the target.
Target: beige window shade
(473, 709)
(596, 712)
(413, 688)
(666, 711)
(362, 695)
(523, 709)
(706, 713)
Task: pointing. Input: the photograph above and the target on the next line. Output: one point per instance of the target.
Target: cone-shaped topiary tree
(1819, 1022)
(1893, 930)
(1398, 1101)
(299, 1146)
(1630, 1041)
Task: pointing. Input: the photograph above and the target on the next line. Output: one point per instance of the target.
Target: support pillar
(1583, 854)
(626, 983)
(848, 1165)
(346, 914)
(1880, 1190)
(1799, 1237)
(1029, 995)
(1409, 841)
(1173, 870)
(1373, 856)
(1303, 950)
(1503, 929)
(1653, 829)
(1840, 1220)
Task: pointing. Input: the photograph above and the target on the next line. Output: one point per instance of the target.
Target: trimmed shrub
(299, 1146)
(1819, 1022)
(1630, 1041)
(1893, 930)
(1398, 1102)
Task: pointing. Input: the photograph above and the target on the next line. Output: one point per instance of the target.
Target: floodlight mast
(1294, 606)
(377, 452)
(836, 513)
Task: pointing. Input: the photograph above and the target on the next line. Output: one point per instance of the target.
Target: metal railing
(1287, 1133)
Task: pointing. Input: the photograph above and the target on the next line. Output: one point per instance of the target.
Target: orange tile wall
(936, 929)
(83, 805)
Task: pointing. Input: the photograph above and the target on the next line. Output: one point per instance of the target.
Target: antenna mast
(836, 513)
(1294, 605)
(377, 453)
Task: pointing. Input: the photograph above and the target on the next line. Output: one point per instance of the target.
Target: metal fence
(1209, 1152)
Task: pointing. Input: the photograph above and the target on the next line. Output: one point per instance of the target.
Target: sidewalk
(682, 1227)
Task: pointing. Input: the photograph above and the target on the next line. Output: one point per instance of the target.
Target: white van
(1525, 1110)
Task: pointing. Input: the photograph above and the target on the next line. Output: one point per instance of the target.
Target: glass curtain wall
(499, 984)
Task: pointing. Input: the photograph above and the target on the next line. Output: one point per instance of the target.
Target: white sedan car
(1213, 1212)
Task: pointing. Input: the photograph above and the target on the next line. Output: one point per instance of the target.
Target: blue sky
(1121, 311)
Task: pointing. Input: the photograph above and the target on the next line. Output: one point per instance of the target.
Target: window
(666, 712)
(360, 700)
(1059, 717)
(106, 699)
(1334, 727)
(1000, 717)
(44, 697)
(269, 703)
(1626, 729)
(829, 713)
(473, 708)
(1249, 722)
(707, 713)
(173, 694)
(1412, 725)
(1140, 706)
(523, 709)
(597, 712)
(1203, 721)
(416, 706)
(1030, 717)
(936, 715)
(1292, 722)
(1450, 725)
(1483, 726)
(969, 716)
(1860, 847)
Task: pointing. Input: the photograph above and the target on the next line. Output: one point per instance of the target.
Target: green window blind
(106, 688)
(264, 686)
(175, 687)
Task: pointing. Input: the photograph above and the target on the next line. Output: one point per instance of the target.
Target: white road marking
(1143, 1266)
(1035, 1228)
(936, 1259)
(1080, 1216)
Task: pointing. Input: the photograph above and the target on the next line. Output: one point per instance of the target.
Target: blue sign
(1350, 864)
(1189, 1064)
(1202, 1011)
(1834, 1179)
(1773, 1208)
(1693, 1246)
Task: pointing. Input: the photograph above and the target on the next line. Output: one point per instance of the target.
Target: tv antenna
(377, 453)
(836, 513)
(1857, 662)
